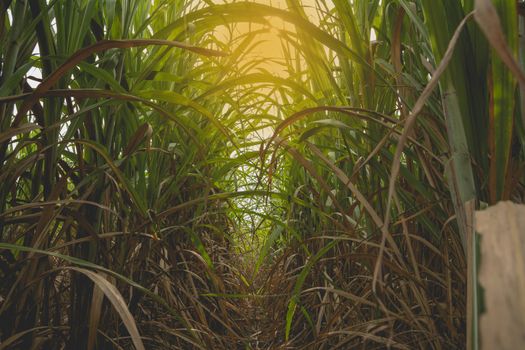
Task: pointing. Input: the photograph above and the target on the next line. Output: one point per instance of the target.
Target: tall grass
(143, 156)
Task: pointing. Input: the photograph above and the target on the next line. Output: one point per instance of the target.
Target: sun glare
(267, 52)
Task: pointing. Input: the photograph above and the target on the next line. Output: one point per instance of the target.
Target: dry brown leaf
(22, 129)
(116, 299)
(488, 20)
(94, 315)
(142, 134)
(502, 275)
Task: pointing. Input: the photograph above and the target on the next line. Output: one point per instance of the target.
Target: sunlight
(267, 55)
(202, 174)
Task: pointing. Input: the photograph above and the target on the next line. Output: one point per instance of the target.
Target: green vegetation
(162, 186)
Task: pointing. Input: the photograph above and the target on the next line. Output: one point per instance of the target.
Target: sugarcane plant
(165, 185)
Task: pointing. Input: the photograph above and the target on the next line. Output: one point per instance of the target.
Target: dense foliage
(162, 188)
